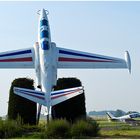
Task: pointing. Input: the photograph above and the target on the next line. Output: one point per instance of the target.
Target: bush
(57, 129)
(95, 128)
(15, 129)
(9, 129)
(85, 129)
(1, 130)
(32, 132)
(60, 129)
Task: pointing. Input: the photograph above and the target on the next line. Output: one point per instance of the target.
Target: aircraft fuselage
(48, 69)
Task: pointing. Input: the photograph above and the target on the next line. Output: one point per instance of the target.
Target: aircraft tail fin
(110, 115)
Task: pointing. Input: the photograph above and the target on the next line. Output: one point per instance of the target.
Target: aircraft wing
(17, 59)
(63, 95)
(76, 59)
(33, 95)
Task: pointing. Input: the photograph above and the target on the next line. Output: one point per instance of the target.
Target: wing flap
(63, 95)
(77, 59)
(33, 95)
(17, 59)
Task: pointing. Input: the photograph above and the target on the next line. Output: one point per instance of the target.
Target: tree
(19, 106)
(73, 108)
(129, 112)
(119, 113)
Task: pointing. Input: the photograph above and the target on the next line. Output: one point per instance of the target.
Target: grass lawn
(107, 130)
(118, 130)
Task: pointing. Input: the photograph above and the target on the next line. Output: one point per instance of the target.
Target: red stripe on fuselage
(27, 59)
(80, 60)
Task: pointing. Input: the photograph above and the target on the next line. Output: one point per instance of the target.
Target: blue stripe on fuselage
(16, 53)
(43, 22)
(78, 54)
(45, 45)
(44, 34)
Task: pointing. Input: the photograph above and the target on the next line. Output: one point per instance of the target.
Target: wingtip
(128, 61)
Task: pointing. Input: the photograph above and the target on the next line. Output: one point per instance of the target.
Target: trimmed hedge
(19, 106)
(72, 109)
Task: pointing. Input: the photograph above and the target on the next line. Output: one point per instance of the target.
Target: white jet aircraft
(46, 58)
(123, 118)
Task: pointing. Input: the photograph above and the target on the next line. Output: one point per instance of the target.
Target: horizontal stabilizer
(63, 95)
(33, 95)
(56, 96)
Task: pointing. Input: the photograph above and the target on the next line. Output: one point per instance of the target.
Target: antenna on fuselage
(38, 12)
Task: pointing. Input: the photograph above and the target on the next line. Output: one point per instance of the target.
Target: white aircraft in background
(123, 118)
(46, 58)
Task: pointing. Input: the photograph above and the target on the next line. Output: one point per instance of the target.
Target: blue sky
(107, 28)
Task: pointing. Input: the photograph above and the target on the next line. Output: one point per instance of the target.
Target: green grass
(120, 133)
(118, 130)
(56, 129)
(11, 129)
